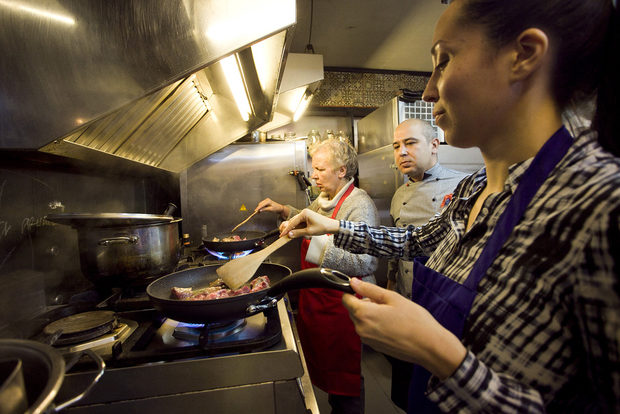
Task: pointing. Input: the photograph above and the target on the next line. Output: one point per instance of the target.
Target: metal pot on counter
(123, 249)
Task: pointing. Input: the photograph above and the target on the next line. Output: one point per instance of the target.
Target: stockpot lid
(107, 219)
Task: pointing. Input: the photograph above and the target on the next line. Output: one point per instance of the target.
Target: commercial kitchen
(131, 133)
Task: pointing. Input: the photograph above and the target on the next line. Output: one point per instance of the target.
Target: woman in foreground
(517, 309)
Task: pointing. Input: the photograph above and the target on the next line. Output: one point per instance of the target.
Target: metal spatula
(238, 271)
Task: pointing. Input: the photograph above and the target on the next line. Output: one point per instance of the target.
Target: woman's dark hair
(586, 39)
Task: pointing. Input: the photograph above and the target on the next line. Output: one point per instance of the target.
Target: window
(420, 110)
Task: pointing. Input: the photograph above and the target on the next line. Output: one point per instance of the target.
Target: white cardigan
(358, 206)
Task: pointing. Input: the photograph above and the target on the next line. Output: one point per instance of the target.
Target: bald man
(428, 188)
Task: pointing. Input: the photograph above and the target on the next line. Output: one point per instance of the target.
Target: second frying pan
(253, 240)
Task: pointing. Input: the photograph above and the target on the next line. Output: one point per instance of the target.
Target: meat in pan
(218, 289)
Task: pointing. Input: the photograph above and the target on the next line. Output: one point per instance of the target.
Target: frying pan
(253, 240)
(236, 307)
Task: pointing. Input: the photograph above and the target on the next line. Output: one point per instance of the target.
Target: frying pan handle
(317, 277)
(274, 232)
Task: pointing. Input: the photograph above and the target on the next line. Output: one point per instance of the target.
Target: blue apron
(450, 302)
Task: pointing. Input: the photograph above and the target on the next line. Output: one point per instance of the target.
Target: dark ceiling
(368, 34)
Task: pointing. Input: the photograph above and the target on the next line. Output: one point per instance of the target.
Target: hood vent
(136, 80)
(148, 130)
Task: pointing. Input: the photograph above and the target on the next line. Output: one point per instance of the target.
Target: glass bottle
(314, 137)
(342, 136)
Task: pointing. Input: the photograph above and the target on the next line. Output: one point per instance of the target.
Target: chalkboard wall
(39, 260)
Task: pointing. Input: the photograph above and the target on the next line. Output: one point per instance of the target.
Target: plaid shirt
(543, 333)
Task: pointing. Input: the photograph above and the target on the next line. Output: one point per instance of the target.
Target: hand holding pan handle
(316, 277)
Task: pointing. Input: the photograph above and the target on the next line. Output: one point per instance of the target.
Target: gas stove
(157, 370)
(156, 364)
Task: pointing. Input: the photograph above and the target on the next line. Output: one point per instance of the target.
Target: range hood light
(232, 71)
(68, 20)
(303, 105)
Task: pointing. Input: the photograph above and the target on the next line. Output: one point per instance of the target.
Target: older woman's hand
(270, 205)
(394, 325)
(309, 223)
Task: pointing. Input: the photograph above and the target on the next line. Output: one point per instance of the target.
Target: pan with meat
(236, 306)
(238, 241)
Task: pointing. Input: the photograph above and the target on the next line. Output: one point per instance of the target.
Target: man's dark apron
(332, 348)
(450, 302)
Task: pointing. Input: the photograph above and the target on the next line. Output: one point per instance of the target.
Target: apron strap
(305, 243)
(543, 163)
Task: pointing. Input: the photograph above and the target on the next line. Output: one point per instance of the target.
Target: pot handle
(316, 277)
(119, 240)
(170, 209)
(101, 367)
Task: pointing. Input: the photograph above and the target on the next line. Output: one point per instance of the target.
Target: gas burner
(80, 327)
(212, 331)
(103, 345)
(98, 331)
(251, 334)
(229, 256)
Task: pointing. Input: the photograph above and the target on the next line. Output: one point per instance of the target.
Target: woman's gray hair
(342, 153)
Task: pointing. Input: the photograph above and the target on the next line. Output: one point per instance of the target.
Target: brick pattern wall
(348, 89)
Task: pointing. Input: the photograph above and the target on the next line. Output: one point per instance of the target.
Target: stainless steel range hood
(141, 80)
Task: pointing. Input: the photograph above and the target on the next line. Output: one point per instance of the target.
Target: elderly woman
(331, 346)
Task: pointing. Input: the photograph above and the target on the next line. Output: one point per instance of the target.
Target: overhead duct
(135, 79)
(302, 76)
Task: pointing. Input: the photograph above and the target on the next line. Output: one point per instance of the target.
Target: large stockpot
(121, 249)
(42, 374)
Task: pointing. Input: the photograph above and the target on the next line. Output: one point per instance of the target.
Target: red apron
(332, 349)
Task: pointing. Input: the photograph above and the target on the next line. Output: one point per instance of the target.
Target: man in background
(428, 188)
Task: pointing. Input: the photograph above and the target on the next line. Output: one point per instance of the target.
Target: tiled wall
(349, 89)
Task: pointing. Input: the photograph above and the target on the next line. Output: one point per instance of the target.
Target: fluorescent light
(230, 65)
(303, 105)
(263, 61)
